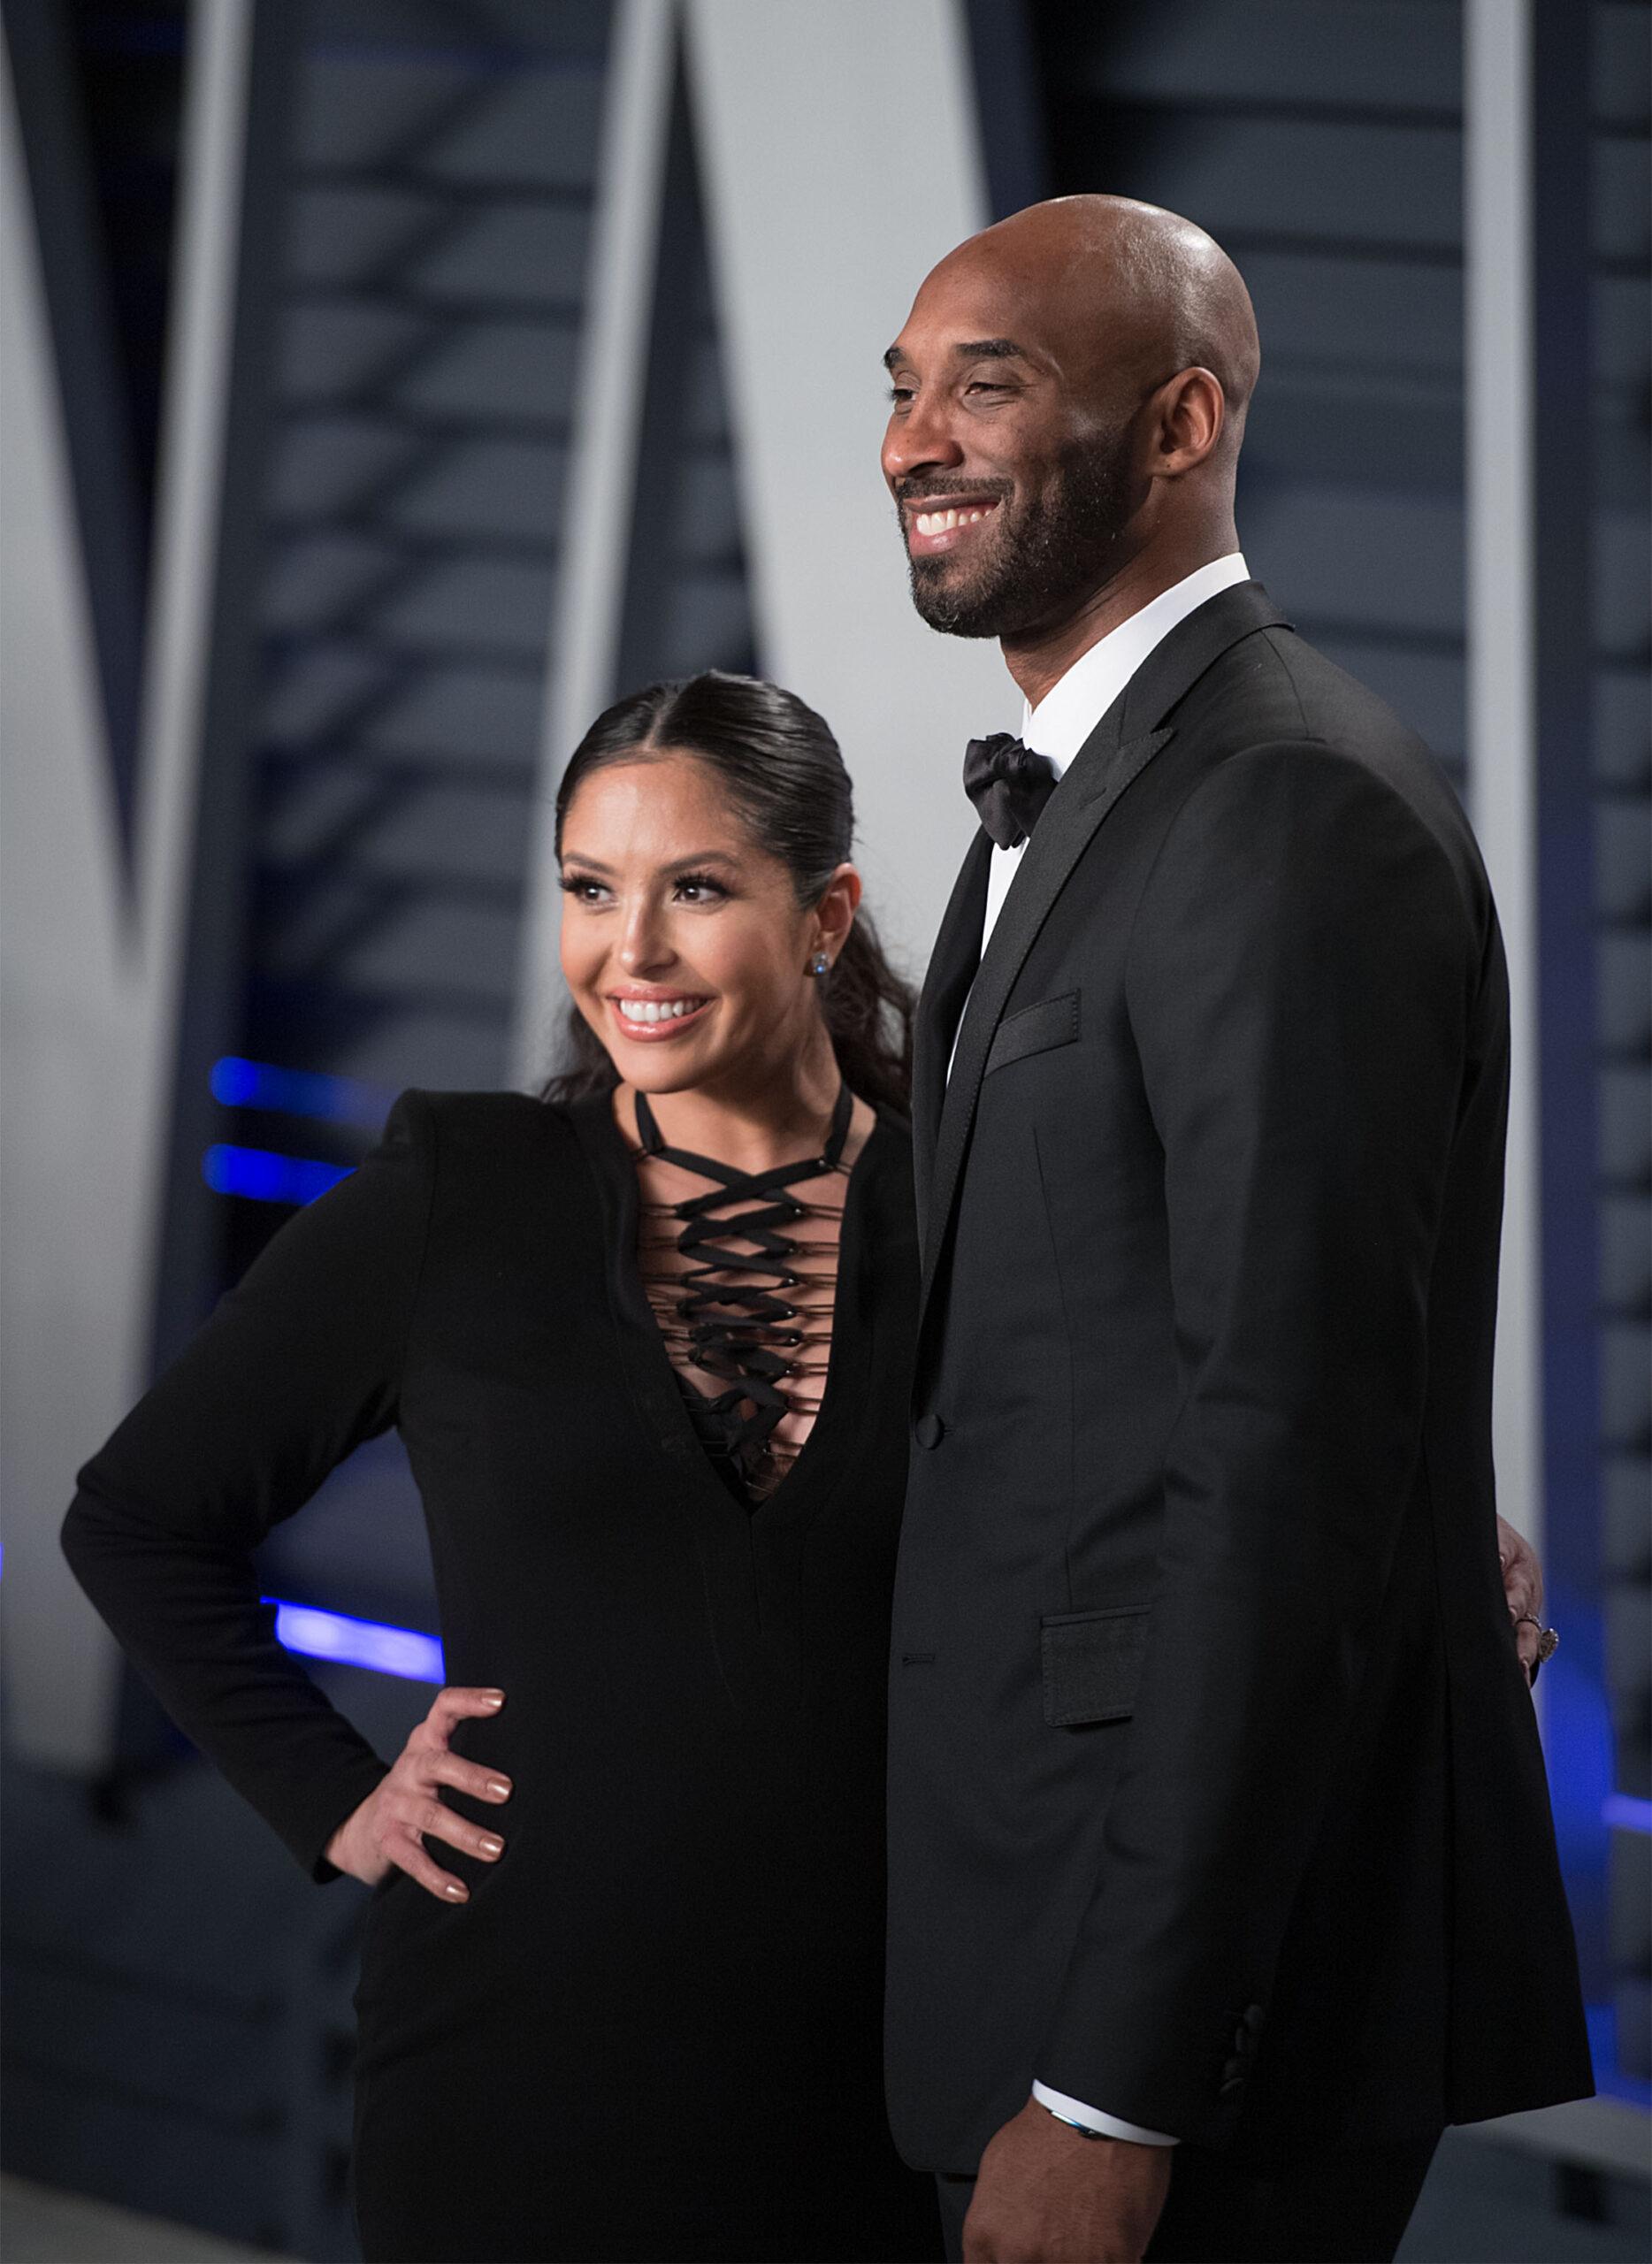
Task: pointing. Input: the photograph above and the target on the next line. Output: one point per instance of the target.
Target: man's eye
(900, 394)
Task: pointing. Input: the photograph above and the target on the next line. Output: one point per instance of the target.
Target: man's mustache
(909, 492)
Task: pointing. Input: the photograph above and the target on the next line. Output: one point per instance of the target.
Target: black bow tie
(1009, 785)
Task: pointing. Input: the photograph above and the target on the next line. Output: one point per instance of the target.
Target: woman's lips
(656, 1032)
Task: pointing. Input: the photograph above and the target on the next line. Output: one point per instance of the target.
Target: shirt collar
(1077, 702)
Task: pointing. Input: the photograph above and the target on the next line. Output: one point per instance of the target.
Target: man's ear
(1191, 414)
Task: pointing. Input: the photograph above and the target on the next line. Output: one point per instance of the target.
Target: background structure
(389, 383)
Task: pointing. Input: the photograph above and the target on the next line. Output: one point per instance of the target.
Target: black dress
(653, 2031)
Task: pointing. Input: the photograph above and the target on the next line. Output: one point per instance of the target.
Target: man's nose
(920, 440)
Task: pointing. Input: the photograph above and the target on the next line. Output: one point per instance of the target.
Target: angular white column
(1503, 668)
(602, 471)
(91, 954)
(840, 149)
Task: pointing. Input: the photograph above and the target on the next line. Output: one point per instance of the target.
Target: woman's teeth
(657, 1009)
(944, 522)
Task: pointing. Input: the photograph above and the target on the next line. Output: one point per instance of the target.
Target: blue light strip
(316, 1634)
(264, 1176)
(240, 1083)
(1623, 1813)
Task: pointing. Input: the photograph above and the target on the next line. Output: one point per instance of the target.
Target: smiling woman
(701, 824)
(717, 974)
(647, 1339)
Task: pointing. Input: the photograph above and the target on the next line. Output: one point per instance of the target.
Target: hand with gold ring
(1523, 1592)
(1546, 1642)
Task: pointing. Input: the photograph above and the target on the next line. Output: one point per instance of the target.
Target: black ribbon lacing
(747, 1333)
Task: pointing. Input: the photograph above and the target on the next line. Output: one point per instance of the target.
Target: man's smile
(944, 522)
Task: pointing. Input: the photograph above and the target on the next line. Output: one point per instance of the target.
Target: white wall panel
(1501, 662)
(840, 152)
(90, 951)
(607, 413)
(66, 1215)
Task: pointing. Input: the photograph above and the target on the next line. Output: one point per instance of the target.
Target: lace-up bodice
(742, 1278)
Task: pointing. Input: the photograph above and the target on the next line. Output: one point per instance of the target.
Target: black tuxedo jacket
(1216, 1797)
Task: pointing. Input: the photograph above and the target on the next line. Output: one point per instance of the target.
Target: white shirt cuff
(1091, 2118)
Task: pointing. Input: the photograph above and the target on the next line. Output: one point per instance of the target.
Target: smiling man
(1221, 1864)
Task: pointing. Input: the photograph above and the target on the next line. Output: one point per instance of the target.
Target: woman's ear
(835, 912)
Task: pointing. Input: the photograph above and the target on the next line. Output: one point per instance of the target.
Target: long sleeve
(1300, 981)
(298, 1365)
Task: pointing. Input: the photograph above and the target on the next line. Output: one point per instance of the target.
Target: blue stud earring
(820, 964)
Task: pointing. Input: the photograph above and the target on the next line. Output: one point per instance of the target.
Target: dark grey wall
(1322, 146)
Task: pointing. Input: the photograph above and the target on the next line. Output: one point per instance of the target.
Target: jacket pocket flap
(1034, 1030)
(1092, 1662)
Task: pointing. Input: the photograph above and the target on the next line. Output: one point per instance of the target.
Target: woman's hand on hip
(387, 1831)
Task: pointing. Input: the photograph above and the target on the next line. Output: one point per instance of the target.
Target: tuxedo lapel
(1085, 795)
(952, 968)
(1113, 756)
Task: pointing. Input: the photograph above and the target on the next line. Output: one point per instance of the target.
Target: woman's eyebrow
(678, 864)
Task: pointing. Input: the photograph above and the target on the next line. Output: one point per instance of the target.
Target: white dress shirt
(1057, 727)
(1077, 702)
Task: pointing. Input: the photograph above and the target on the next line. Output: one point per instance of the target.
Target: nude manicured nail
(491, 1846)
(500, 1787)
(493, 1697)
(455, 1894)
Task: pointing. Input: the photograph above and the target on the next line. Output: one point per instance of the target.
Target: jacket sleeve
(298, 1365)
(1300, 981)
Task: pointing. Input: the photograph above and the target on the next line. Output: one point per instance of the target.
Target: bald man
(1222, 1874)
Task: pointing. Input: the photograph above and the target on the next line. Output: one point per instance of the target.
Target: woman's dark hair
(781, 769)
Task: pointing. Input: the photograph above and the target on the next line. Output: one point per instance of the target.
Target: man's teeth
(944, 522)
(657, 1009)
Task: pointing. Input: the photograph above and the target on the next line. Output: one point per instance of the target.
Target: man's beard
(1046, 563)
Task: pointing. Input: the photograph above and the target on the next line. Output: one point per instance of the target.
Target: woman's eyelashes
(705, 888)
(687, 888)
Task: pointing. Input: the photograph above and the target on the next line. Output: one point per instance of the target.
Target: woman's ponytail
(868, 1013)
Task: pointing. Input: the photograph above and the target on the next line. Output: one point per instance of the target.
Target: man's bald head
(1069, 395)
(1129, 290)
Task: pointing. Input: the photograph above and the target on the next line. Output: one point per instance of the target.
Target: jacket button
(929, 1430)
(1243, 2041)
(1231, 2088)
